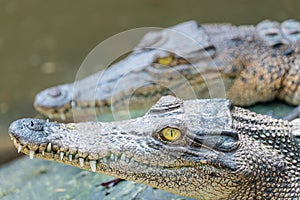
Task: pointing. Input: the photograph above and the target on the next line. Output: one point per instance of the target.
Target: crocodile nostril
(55, 92)
(36, 126)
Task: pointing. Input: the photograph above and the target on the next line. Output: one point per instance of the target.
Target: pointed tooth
(49, 147)
(105, 160)
(73, 104)
(81, 162)
(31, 154)
(63, 117)
(19, 148)
(123, 158)
(112, 157)
(93, 165)
(61, 154)
(76, 156)
(43, 152)
(70, 157)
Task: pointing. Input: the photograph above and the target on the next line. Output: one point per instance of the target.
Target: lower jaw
(117, 166)
(75, 115)
(102, 165)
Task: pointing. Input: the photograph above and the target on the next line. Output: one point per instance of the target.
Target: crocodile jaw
(126, 150)
(122, 158)
(222, 151)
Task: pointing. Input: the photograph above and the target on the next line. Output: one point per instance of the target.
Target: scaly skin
(222, 152)
(248, 64)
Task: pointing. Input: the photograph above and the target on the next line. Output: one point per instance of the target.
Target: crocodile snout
(27, 123)
(54, 97)
(27, 131)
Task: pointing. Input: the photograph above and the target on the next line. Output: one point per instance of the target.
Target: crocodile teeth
(19, 148)
(93, 165)
(112, 157)
(43, 152)
(61, 155)
(123, 158)
(81, 162)
(49, 148)
(105, 160)
(70, 157)
(31, 154)
(63, 117)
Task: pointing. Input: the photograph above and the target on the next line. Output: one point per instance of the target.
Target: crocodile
(201, 148)
(247, 64)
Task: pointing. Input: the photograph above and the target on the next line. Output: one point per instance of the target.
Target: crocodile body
(205, 149)
(246, 64)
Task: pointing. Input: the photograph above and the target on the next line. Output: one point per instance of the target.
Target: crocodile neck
(280, 175)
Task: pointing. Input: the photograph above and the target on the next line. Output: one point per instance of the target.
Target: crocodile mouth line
(67, 111)
(49, 151)
(62, 112)
(74, 108)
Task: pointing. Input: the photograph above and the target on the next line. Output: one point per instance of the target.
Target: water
(43, 43)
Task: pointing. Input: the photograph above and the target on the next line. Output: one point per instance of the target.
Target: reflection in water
(43, 43)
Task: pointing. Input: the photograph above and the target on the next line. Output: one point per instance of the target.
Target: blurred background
(42, 43)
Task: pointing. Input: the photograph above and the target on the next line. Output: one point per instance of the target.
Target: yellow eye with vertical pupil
(165, 60)
(170, 134)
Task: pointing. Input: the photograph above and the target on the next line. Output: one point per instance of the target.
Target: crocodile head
(194, 148)
(246, 64)
(158, 66)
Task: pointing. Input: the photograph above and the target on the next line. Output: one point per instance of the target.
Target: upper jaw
(138, 139)
(93, 141)
(29, 130)
(54, 97)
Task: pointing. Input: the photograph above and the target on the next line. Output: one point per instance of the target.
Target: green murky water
(43, 43)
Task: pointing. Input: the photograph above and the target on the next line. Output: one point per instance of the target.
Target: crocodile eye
(166, 60)
(170, 134)
(169, 61)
